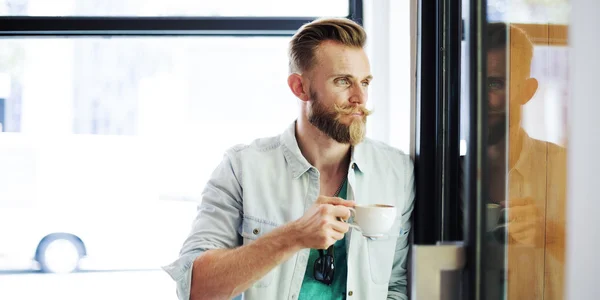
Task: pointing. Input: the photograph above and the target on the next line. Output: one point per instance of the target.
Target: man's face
(500, 90)
(338, 90)
(497, 91)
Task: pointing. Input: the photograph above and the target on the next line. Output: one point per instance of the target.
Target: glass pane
(527, 80)
(221, 8)
(529, 11)
(110, 141)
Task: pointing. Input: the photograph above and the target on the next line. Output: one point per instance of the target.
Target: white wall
(387, 23)
(583, 202)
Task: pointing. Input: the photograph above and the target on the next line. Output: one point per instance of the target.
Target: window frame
(19, 26)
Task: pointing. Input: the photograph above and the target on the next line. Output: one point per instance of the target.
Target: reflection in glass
(527, 175)
(529, 11)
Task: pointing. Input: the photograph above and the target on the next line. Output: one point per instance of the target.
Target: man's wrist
(289, 236)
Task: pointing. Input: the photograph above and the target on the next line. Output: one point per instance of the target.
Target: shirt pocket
(252, 229)
(381, 254)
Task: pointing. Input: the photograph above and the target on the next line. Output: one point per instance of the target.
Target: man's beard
(328, 121)
(497, 131)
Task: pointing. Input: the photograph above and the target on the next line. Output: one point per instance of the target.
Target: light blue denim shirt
(265, 184)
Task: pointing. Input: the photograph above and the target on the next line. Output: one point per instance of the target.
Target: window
(111, 127)
(153, 8)
(149, 86)
(529, 11)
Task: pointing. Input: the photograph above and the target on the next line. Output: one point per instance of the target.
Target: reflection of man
(536, 178)
(270, 205)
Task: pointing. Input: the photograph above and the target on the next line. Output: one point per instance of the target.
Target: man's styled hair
(520, 51)
(306, 41)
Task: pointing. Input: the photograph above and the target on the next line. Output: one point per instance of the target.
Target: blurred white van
(95, 202)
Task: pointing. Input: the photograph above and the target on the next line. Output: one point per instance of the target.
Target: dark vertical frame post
(427, 213)
(437, 122)
(356, 11)
(476, 170)
(449, 114)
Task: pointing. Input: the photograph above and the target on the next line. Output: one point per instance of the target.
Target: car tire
(60, 253)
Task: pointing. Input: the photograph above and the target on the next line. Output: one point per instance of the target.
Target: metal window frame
(19, 26)
(476, 166)
(437, 122)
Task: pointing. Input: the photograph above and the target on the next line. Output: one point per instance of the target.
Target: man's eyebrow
(370, 77)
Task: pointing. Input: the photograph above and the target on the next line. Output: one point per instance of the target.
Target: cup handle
(352, 214)
(354, 226)
(503, 216)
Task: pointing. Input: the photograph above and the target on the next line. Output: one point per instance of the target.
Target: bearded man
(273, 219)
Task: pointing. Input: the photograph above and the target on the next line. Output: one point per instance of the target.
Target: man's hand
(321, 227)
(524, 219)
(224, 273)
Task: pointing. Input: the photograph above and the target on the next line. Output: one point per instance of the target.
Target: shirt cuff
(181, 272)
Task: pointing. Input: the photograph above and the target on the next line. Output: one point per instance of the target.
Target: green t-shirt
(314, 290)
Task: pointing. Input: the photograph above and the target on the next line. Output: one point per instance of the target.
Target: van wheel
(59, 253)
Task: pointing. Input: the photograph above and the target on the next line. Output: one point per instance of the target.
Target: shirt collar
(298, 163)
(358, 156)
(527, 148)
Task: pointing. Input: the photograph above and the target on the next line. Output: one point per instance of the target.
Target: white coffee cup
(493, 215)
(373, 220)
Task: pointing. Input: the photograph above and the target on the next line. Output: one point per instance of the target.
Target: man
(272, 205)
(535, 224)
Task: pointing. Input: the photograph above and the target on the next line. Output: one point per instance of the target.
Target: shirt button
(352, 166)
(255, 231)
(350, 293)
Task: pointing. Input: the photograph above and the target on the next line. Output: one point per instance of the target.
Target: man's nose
(359, 94)
(496, 102)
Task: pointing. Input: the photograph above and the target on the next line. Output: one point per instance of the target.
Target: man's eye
(366, 83)
(496, 84)
(343, 81)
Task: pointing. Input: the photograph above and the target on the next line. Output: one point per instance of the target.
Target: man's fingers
(348, 203)
(517, 227)
(520, 201)
(525, 238)
(528, 212)
(340, 226)
(341, 212)
(337, 235)
(335, 201)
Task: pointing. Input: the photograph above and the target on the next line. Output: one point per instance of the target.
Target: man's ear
(529, 88)
(297, 86)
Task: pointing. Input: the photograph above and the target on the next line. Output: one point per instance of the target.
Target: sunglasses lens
(324, 268)
(319, 269)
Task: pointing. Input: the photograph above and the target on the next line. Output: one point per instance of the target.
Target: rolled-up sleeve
(399, 280)
(216, 224)
(181, 272)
